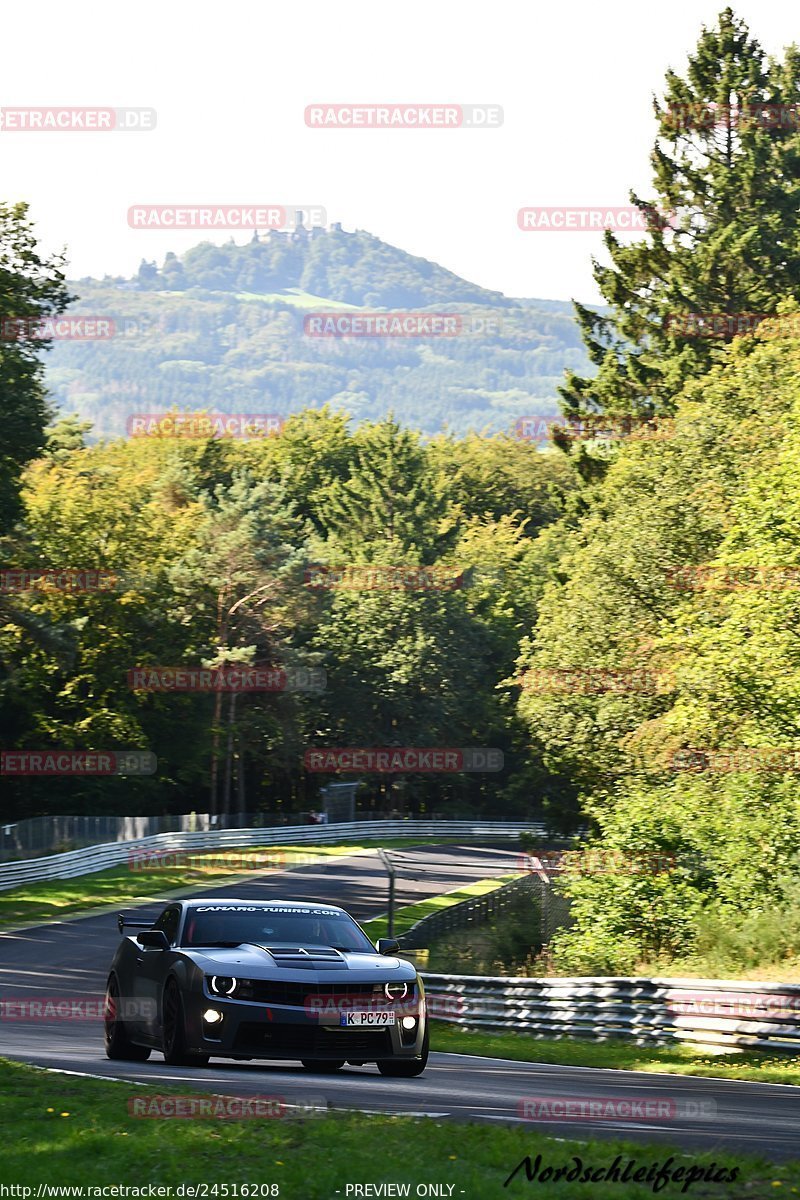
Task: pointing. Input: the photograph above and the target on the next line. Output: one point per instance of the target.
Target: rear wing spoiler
(123, 921)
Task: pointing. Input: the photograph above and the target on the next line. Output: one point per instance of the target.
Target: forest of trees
(578, 557)
(194, 527)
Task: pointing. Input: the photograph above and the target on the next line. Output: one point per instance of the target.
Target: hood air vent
(314, 958)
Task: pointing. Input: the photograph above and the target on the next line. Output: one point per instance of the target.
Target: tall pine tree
(727, 180)
(392, 507)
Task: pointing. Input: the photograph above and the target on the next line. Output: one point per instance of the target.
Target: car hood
(303, 962)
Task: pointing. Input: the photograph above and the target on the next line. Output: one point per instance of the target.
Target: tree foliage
(723, 218)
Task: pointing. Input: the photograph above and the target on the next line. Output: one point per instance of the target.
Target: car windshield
(292, 926)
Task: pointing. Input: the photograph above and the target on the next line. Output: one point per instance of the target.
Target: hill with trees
(222, 328)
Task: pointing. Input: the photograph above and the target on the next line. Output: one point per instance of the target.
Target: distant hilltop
(351, 268)
(231, 328)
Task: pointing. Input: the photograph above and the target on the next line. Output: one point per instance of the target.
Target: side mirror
(387, 945)
(156, 939)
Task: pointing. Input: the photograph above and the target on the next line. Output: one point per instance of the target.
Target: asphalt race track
(70, 961)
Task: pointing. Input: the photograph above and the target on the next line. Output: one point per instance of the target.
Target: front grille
(300, 1041)
(275, 991)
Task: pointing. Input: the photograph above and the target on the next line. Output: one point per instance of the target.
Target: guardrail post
(387, 862)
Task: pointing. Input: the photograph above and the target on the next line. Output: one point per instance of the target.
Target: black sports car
(276, 979)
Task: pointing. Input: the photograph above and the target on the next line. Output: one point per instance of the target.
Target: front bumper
(253, 1029)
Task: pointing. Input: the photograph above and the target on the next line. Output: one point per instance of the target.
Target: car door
(149, 972)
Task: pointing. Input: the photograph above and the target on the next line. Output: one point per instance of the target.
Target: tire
(406, 1068)
(322, 1066)
(173, 1031)
(118, 1044)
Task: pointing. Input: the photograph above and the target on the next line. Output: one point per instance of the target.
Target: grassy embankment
(67, 1130)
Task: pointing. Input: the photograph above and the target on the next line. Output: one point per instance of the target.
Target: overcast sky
(231, 82)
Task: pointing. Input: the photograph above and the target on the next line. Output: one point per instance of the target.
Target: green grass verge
(68, 1130)
(123, 885)
(616, 1055)
(409, 914)
(128, 884)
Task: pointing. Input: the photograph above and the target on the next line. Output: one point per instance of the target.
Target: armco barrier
(709, 1012)
(33, 837)
(553, 912)
(98, 858)
(475, 910)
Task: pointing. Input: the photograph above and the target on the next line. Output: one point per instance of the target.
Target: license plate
(367, 1018)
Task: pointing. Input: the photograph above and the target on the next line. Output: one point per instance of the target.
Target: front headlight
(222, 985)
(396, 991)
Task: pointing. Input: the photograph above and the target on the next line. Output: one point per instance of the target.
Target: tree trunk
(215, 754)
(222, 638)
(240, 782)
(226, 807)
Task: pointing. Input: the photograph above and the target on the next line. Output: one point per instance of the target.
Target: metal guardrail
(58, 833)
(99, 858)
(706, 1012)
(467, 912)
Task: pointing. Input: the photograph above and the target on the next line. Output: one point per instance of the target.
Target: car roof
(311, 905)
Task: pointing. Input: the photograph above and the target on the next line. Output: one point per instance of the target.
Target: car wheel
(406, 1068)
(173, 1032)
(118, 1043)
(323, 1066)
